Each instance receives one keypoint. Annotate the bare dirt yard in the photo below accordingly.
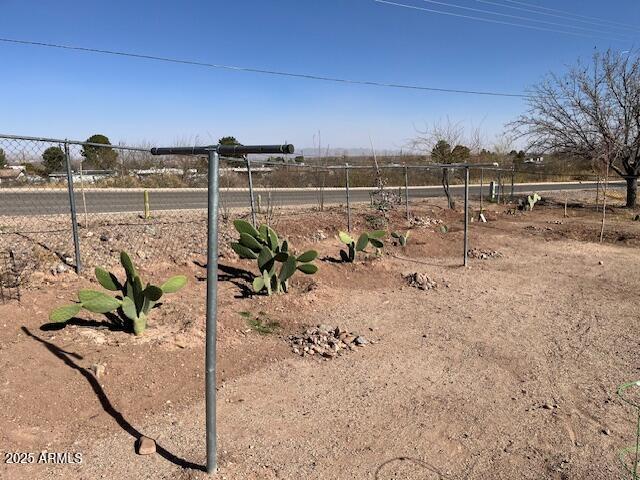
(505, 369)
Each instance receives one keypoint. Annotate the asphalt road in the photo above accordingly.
(21, 202)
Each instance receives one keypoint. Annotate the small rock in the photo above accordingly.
(98, 369)
(146, 446)
(348, 339)
(105, 238)
(606, 431)
(600, 262)
(360, 341)
(325, 341)
(420, 280)
(61, 268)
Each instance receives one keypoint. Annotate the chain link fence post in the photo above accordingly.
(251, 199)
(406, 190)
(481, 188)
(72, 208)
(466, 215)
(513, 179)
(346, 174)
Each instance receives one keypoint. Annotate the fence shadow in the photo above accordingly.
(66, 357)
(239, 277)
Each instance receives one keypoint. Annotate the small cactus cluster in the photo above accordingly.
(400, 238)
(134, 304)
(533, 199)
(364, 240)
(262, 244)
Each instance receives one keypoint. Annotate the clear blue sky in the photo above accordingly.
(45, 92)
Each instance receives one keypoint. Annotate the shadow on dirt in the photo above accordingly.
(329, 259)
(66, 357)
(115, 323)
(81, 322)
(394, 463)
(239, 277)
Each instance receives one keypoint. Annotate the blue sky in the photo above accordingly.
(56, 93)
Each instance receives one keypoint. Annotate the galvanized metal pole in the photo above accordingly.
(406, 190)
(481, 189)
(346, 171)
(212, 310)
(72, 207)
(513, 176)
(466, 214)
(253, 205)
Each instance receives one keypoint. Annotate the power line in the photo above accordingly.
(517, 17)
(596, 19)
(263, 71)
(482, 19)
(569, 17)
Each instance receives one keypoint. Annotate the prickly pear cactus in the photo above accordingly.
(264, 246)
(278, 282)
(401, 239)
(532, 200)
(253, 240)
(365, 239)
(137, 301)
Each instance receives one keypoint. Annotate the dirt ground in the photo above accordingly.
(508, 369)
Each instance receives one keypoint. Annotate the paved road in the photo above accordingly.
(19, 202)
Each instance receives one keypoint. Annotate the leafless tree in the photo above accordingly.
(592, 112)
(440, 140)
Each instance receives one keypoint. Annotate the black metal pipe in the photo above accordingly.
(247, 149)
(225, 150)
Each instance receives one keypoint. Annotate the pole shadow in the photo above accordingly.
(420, 463)
(66, 357)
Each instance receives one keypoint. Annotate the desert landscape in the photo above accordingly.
(507, 368)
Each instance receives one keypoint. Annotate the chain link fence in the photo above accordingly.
(66, 204)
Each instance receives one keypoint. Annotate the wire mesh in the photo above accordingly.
(155, 206)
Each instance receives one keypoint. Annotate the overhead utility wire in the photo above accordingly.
(519, 17)
(620, 24)
(571, 18)
(263, 71)
(483, 19)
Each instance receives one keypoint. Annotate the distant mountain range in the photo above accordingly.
(349, 152)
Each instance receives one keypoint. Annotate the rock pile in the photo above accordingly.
(424, 221)
(325, 341)
(420, 280)
(483, 254)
